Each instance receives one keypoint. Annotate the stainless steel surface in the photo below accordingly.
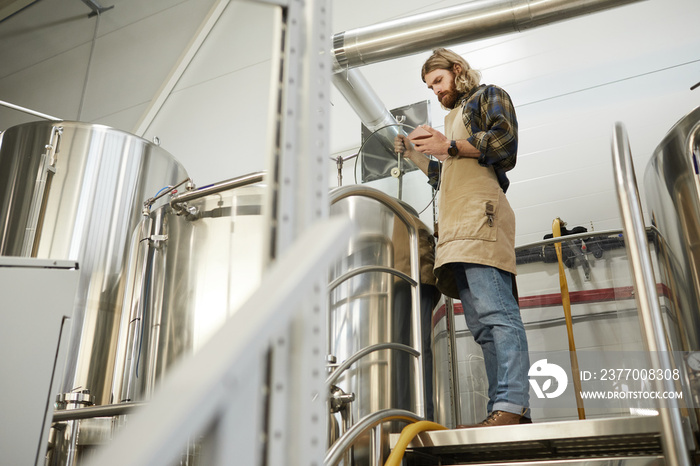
(177, 201)
(95, 411)
(339, 161)
(672, 192)
(64, 449)
(577, 439)
(222, 387)
(374, 299)
(362, 98)
(187, 275)
(453, 25)
(362, 306)
(169, 190)
(336, 452)
(364, 352)
(650, 316)
(378, 160)
(453, 415)
(588, 234)
(371, 268)
(91, 208)
(42, 186)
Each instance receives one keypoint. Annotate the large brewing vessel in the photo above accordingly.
(72, 190)
(672, 189)
(375, 295)
(193, 262)
(672, 192)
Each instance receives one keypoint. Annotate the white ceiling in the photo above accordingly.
(10, 7)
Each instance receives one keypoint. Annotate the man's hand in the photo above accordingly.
(435, 145)
(403, 146)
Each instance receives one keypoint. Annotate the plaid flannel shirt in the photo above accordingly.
(489, 116)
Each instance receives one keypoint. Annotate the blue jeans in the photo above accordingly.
(493, 318)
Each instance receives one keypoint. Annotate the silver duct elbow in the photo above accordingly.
(362, 98)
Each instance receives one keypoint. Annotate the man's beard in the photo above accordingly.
(449, 99)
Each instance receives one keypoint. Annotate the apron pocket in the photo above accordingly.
(470, 217)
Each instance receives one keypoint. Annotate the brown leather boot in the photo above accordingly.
(500, 418)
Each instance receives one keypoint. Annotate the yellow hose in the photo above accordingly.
(407, 434)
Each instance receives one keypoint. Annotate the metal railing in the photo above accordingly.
(340, 369)
(337, 451)
(90, 412)
(179, 202)
(651, 321)
(29, 111)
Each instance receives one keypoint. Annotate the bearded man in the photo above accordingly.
(475, 254)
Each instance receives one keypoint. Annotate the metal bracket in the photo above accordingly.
(96, 8)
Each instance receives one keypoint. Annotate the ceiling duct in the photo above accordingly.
(362, 98)
(449, 26)
(440, 28)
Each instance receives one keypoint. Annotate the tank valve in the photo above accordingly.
(339, 400)
(75, 399)
(191, 213)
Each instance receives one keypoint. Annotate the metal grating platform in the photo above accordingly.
(599, 440)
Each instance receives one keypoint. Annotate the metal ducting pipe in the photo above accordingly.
(454, 25)
(362, 98)
(439, 28)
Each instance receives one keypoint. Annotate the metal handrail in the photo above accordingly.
(370, 268)
(96, 411)
(455, 400)
(364, 352)
(237, 182)
(29, 111)
(335, 453)
(650, 317)
(561, 239)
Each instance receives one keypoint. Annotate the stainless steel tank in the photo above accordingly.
(373, 301)
(194, 261)
(672, 192)
(71, 190)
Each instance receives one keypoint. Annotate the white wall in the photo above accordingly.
(570, 82)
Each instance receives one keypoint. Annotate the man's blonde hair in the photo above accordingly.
(443, 59)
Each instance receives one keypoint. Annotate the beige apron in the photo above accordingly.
(475, 221)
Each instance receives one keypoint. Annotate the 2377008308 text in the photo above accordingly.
(614, 375)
